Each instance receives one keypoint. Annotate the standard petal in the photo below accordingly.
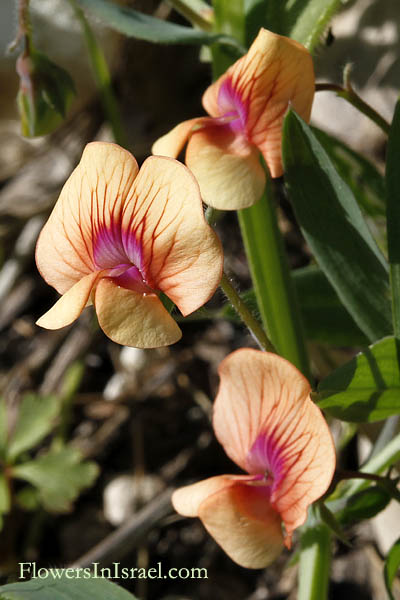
(267, 422)
(88, 208)
(180, 253)
(68, 308)
(172, 143)
(242, 521)
(132, 318)
(228, 170)
(275, 71)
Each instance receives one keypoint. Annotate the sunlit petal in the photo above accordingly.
(88, 208)
(267, 423)
(172, 143)
(132, 318)
(258, 88)
(242, 521)
(186, 500)
(70, 305)
(227, 168)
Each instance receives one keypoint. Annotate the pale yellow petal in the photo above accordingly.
(68, 308)
(242, 521)
(228, 170)
(133, 319)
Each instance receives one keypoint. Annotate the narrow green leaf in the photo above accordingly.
(391, 567)
(307, 20)
(393, 188)
(64, 584)
(365, 389)
(335, 230)
(59, 477)
(35, 420)
(364, 505)
(364, 179)
(135, 24)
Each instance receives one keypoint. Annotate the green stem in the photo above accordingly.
(196, 12)
(350, 95)
(314, 565)
(271, 278)
(102, 77)
(245, 315)
(378, 463)
(395, 287)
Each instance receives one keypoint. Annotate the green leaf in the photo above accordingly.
(365, 389)
(335, 230)
(364, 179)
(135, 24)
(60, 475)
(307, 20)
(364, 505)
(392, 564)
(5, 499)
(46, 92)
(324, 317)
(28, 498)
(35, 420)
(64, 584)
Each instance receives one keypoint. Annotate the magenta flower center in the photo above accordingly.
(264, 459)
(232, 107)
(121, 252)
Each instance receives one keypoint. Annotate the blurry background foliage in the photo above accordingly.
(129, 71)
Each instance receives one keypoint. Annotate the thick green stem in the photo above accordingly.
(350, 95)
(395, 287)
(271, 278)
(102, 77)
(245, 315)
(314, 565)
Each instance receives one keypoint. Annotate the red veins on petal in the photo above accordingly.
(250, 101)
(267, 423)
(120, 237)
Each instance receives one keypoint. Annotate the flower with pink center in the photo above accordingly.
(247, 105)
(118, 237)
(268, 425)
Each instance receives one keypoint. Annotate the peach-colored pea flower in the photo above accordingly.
(118, 237)
(269, 426)
(247, 106)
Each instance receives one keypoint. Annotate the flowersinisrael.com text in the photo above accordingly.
(30, 570)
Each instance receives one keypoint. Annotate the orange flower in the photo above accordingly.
(118, 237)
(247, 106)
(269, 426)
